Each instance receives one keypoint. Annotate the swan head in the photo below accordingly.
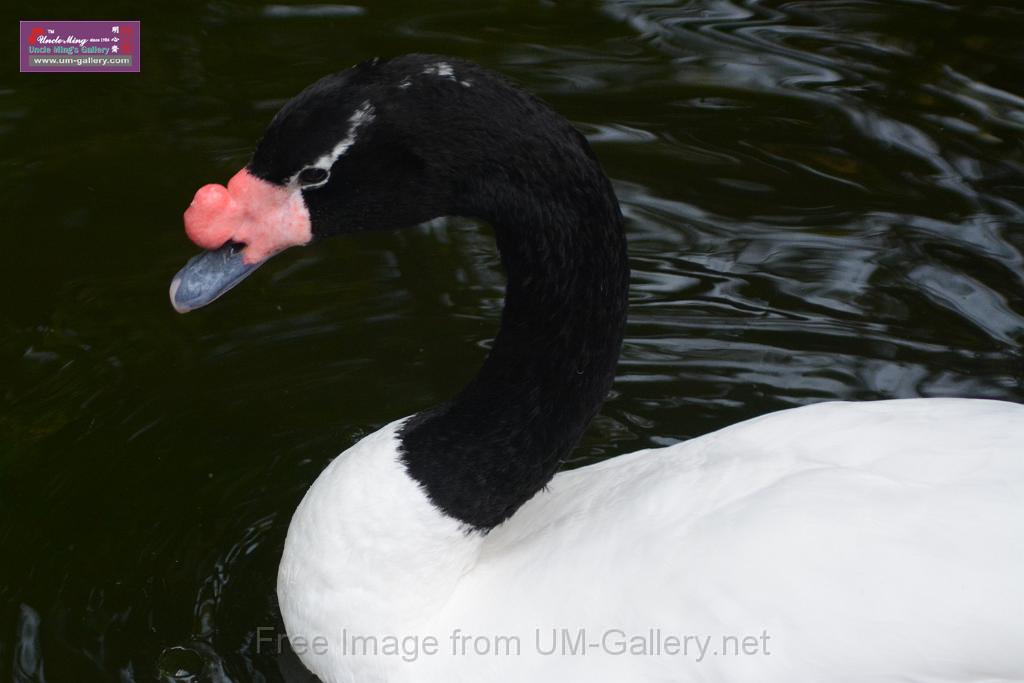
(384, 144)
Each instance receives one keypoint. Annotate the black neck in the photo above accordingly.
(484, 454)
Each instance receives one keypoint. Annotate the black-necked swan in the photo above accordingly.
(877, 541)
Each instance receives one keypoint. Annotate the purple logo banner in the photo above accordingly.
(80, 46)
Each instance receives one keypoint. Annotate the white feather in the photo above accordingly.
(867, 541)
(441, 70)
(362, 116)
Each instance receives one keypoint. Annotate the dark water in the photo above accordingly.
(825, 201)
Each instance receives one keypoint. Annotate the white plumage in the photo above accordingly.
(875, 541)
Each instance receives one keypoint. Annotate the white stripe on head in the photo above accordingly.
(443, 70)
(440, 69)
(359, 118)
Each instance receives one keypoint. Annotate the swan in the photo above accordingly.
(876, 541)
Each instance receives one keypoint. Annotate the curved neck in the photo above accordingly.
(560, 235)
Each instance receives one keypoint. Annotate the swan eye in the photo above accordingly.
(312, 176)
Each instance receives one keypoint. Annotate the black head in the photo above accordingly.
(385, 144)
(391, 143)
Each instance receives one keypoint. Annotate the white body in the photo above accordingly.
(854, 542)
